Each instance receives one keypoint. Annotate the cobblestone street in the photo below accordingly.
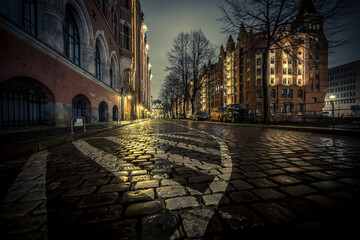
(185, 180)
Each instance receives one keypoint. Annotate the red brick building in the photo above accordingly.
(297, 72)
(65, 59)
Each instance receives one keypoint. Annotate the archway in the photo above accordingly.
(81, 107)
(25, 101)
(103, 112)
(115, 113)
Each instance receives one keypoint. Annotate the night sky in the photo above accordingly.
(167, 18)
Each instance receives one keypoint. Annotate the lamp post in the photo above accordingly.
(332, 107)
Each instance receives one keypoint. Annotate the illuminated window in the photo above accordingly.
(299, 81)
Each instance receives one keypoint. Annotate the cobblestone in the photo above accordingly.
(181, 180)
(144, 208)
(170, 191)
(181, 202)
(138, 196)
(160, 226)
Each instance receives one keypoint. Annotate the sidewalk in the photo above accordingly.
(27, 140)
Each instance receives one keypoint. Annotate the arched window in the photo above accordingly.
(112, 73)
(115, 113)
(97, 61)
(103, 112)
(71, 37)
(24, 101)
(81, 107)
(29, 18)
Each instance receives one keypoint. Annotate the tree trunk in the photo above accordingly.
(192, 106)
(265, 85)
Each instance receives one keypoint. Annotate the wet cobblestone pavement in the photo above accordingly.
(185, 180)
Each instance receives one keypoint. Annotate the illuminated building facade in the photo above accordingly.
(70, 58)
(296, 72)
(344, 90)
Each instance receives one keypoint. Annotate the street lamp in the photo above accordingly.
(332, 107)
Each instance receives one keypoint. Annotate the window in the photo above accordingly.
(126, 4)
(283, 93)
(299, 71)
(289, 71)
(272, 108)
(111, 72)
(113, 20)
(272, 93)
(289, 60)
(284, 70)
(258, 61)
(258, 72)
(272, 72)
(97, 61)
(126, 38)
(290, 93)
(284, 81)
(289, 107)
(313, 99)
(272, 81)
(300, 93)
(284, 59)
(300, 107)
(258, 81)
(272, 60)
(258, 94)
(29, 11)
(71, 38)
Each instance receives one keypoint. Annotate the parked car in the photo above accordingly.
(182, 116)
(326, 114)
(216, 114)
(200, 115)
(236, 113)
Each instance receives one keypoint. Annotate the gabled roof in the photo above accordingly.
(230, 39)
(306, 7)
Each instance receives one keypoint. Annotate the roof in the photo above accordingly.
(231, 39)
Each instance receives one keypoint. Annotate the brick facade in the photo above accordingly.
(297, 79)
(73, 58)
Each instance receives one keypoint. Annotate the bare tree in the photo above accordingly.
(201, 51)
(170, 89)
(272, 21)
(186, 58)
(179, 64)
